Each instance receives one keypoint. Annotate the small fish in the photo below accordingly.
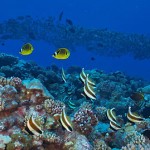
(137, 96)
(111, 115)
(91, 83)
(133, 117)
(68, 21)
(89, 91)
(32, 127)
(92, 58)
(26, 49)
(61, 53)
(114, 125)
(65, 121)
(60, 16)
(84, 77)
(71, 105)
(63, 75)
(2, 44)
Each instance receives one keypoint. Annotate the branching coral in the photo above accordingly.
(51, 137)
(136, 147)
(136, 141)
(53, 107)
(75, 141)
(101, 113)
(135, 138)
(85, 119)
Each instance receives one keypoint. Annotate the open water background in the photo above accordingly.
(127, 16)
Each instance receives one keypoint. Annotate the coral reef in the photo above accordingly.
(101, 145)
(136, 141)
(75, 141)
(85, 119)
(32, 101)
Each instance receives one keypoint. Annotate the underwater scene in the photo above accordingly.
(75, 75)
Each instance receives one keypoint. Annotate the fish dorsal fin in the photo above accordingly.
(134, 114)
(91, 83)
(83, 75)
(58, 51)
(114, 114)
(71, 103)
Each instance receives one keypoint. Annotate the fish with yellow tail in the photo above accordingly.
(111, 115)
(89, 90)
(26, 49)
(63, 75)
(61, 53)
(66, 121)
(133, 117)
(114, 126)
(32, 127)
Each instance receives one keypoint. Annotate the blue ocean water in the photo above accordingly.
(51, 108)
(118, 16)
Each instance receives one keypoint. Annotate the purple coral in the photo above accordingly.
(53, 107)
(85, 119)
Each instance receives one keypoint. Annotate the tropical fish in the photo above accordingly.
(32, 127)
(137, 96)
(68, 21)
(63, 75)
(56, 117)
(60, 16)
(65, 121)
(71, 105)
(114, 125)
(92, 58)
(89, 91)
(133, 117)
(111, 115)
(26, 49)
(91, 83)
(61, 53)
(84, 76)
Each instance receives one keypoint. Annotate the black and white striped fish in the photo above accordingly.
(111, 115)
(134, 118)
(65, 121)
(89, 90)
(114, 126)
(32, 127)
